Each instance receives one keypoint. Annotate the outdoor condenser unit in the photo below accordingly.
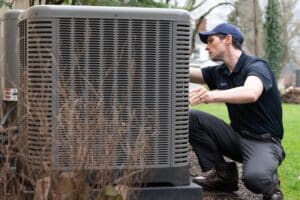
(99, 81)
(8, 66)
(8, 92)
(8, 81)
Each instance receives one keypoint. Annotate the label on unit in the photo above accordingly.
(10, 94)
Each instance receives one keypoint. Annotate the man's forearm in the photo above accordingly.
(248, 93)
(238, 95)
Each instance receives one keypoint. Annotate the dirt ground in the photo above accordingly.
(242, 194)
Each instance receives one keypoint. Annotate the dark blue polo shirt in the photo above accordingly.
(260, 117)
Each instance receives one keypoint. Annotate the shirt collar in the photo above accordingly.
(238, 66)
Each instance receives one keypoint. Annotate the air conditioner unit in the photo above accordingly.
(8, 74)
(8, 94)
(8, 62)
(100, 82)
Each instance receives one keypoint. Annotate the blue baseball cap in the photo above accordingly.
(225, 28)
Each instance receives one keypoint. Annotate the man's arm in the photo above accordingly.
(196, 76)
(248, 93)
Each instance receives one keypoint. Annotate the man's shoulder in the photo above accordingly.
(216, 67)
(253, 63)
(259, 67)
(252, 60)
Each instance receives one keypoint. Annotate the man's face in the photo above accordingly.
(216, 47)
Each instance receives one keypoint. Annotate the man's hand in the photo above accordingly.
(200, 95)
(248, 93)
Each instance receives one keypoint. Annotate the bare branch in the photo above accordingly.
(200, 20)
(218, 5)
(199, 5)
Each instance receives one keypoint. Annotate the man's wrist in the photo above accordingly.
(214, 96)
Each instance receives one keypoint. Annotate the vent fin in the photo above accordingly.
(181, 94)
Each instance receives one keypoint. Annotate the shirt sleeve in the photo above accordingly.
(263, 72)
(208, 77)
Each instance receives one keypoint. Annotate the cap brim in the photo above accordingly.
(204, 36)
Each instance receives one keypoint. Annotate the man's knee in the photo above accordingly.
(200, 123)
(194, 125)
(197, 117)
(193, 115)
(193, 122)
(257, 181)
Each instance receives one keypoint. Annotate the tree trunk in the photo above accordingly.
(255, 28)
(31, 3)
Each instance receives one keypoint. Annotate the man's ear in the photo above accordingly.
(228, 39)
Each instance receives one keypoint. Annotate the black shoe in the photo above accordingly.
(223, 180)
(275, 194)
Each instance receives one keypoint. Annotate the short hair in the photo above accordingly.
(236, 44)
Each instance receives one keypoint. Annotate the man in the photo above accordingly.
(248, 88)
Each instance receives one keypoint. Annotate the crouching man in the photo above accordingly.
(248, 88)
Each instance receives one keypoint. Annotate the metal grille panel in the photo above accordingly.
(118, 72)
(36, 90)
(104, 92)
(181, 94)
(23, 61)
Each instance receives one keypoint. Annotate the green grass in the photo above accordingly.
(290, 168)
(289, 171)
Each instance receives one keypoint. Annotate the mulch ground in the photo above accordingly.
(291, 95)
(242, 194)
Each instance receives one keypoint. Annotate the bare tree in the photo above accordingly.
(291, 29)
(290, 35)
(255, 27)
(249, 20)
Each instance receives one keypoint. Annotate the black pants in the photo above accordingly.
(211, 139)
